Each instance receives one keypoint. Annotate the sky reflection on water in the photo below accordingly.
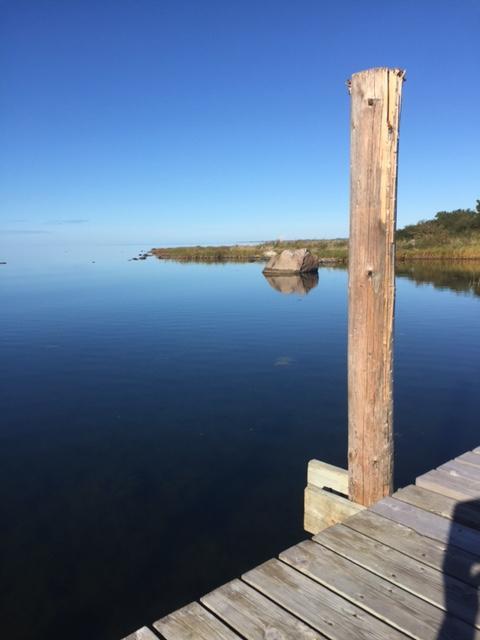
(158, 418)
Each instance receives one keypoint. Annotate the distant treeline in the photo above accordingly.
(450, 234)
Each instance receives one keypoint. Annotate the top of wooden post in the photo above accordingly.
(401, 73)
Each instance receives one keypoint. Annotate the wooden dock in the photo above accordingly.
(406, 567)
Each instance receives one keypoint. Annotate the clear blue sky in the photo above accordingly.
(179, 121)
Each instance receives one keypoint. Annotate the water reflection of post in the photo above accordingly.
(299, 284)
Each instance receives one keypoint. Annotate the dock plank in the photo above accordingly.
(325, 611)
(429, 551)
(193, 622)
(429, 524)
(254, 616)
(419, 579)
(457, 469)
(469, 458)
(449, 485)
(462, 512)
(142, 634)
(404, 611)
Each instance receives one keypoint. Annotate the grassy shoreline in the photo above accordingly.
(450, 235)
(327, 251)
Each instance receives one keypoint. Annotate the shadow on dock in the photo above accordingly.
(464, 566)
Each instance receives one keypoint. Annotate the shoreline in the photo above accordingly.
(333, 252)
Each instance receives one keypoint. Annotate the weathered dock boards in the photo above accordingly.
(407, 567)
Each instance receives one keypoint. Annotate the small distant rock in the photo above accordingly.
(3, 263)
(142, 256)
(297, 261)
(269, 254)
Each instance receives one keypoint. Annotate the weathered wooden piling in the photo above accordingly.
(375, 112)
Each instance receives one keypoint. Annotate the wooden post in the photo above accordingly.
(375, 112)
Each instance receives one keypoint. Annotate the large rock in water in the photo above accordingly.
(297, 261)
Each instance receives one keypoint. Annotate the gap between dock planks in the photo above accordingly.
(389, 572)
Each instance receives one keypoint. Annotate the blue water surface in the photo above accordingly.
(157, 419)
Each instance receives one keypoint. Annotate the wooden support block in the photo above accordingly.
(327, 476)
(324, 509)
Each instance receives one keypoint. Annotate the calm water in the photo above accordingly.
(157, 420)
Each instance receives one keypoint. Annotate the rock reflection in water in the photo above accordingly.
(300, 283)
